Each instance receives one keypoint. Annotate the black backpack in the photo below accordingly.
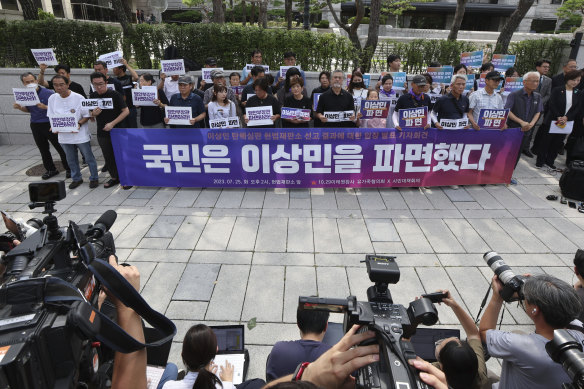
(572, 181)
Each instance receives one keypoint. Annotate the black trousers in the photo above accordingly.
(105, 142)
(42, 135)
(549, 146)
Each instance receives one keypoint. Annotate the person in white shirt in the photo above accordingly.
(169, 85)
(66, 102)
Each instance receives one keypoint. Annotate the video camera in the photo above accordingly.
(512, 283)
(567, 351)
(391, 322)
(49, 315)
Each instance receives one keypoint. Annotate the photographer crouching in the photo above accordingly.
(551, 304)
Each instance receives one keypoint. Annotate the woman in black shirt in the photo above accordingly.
(152, 117)
(325, 84)
(297, 100)
(262, 99)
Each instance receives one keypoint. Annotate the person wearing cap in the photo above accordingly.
(202, 85)
(485, 98)
(256, 59)
(186, 98)
(218, 78)
(415, 98)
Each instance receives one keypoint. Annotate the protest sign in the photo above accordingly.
(400, 80)
(237, 89)
(492, 119)
(179, 115)
(502, 62)
(314, 157)
(315, 98)
(433, 97)
(338, 116)
(45, 56)
(259, 116)
(481, 82)
(413, 117)
(512, 84)
(206, 74)
(26, 97)
(113, 59)
(145, 96)
(366, 79)
(173, 67)
(441, 75)
(374, 108)
(472, 59)
(106, 103)
(469, 82)
(249, 66)
(64, 123)
(284, 69)
(567, 128)
(454, 124)
(295, 113)
(232, 122)
(249, 95)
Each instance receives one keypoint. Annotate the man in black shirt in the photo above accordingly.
(106, 120)
(454, 105)
(101, 67)
(256, 72)
(336, 99)
(127, 81)
(263, 99)
(63, 70)
(415, 98)
(558, 79)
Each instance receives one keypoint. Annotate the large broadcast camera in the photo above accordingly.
(567, 351)
(391, 322)
(49, 316)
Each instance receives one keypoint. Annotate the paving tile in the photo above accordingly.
(486, 213)
(354, 236)
(459, 194)
(436, 214)
(435, 279)
(568, 229)
(483, 197)
(326, 236)
(185, 197)
(388, 248)
(339, 259)
(439, 198)
(495, 236)
(381, 230)
(162, 197)
(223, 257)
(369, 198)
(161, 255)
(300, 203)
(186, 310)
(229, 293)
(145, 269)
(388, 214)
(506, 197)
(165, 227)
(520, 234)
(207, 198)
(230, 198)
(244, 233)
(154, 243)
(259, 304)
(188, 234)
(300, 281)
(467, 236)
(415, 198)
(143, 193)
(161, 285)
(197, 282)
(286, 213)
(276, 199)
(412, 236)
(272, 234)
(332, 282)
(300, 236)
(216, 234)
(551, 237)
(346, 198)
(392, 197)
(439, 236)
(135, 230)
(247, 212)
(323, 198)
(283, 259)
(337, 214)
(253, 198)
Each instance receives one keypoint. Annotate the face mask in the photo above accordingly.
(33, 85)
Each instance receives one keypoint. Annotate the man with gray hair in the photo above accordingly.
(336, 100)
(525, 108)
(218, 78)
(550, 304)
(452, 106)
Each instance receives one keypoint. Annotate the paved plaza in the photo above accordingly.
(224, 256)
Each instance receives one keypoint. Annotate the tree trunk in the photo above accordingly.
(457, 22)
(127, 28)
(243, 12)
(29, 10)
(263, 17)
(352, 29)
(372, 36)
(509, 28)
(253, 11)
(288, 12)
(218, 13)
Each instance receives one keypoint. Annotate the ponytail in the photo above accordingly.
(206, 380)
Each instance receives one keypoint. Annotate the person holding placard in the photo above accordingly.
(415, 98)
(218, 78)
(107, 119)
(263, 99)
(256, 73)
(325, 84)
(289, 60)
(65, 103)
(220, 107)
(394, 64)
(336, 102)
(283, 93)
(202, 85)
(357, 87)
(564, 115)
(101, 67)
(41, 127)
(449, 109)
(372, 94)
(152, 117)
(186, 98)
(127, 81)
(63, 70)
(256, 59)
(169, 85)
(485, 98)
(299, 101)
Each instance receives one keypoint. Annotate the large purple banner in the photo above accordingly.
(317, 157)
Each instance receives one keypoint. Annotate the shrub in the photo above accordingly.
(529, 51)
(188, 16)
(322, 24)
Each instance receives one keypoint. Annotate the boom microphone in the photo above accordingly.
(103, 224)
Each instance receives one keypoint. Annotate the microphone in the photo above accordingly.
(103, 224)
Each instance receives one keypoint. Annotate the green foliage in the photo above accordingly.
(191, 15)
(569, 7)
(231, 44)
(417, 54)
(192, 3)
(76, 44)
(324, 23)
(573, 21)
(45, 15)
(529, 51)
(364, 20)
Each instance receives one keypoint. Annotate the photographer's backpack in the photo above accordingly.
(572, 181)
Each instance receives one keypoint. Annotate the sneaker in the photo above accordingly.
(104, 169)
(111, 183)
(553, 167)
(68, 174)
(538, 165)
(527, 153)
(93, 184)
(127, 187)
(75, 184)
(513, 181)
(49, 173)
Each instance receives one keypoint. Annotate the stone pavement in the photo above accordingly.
(222, 256)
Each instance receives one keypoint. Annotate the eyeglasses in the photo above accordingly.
(100, 84)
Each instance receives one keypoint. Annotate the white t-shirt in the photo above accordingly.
(189, 381)
(217, 111)
(170, 87)
(66, 106)
(569, 95)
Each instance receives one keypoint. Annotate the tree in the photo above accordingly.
(263, 15)
(509, 28)
(123, 13)
(457, 22)
(218, 12)
(29, 10)
(288, 13)
(569, 7)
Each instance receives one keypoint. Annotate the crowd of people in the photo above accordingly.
(541, 106)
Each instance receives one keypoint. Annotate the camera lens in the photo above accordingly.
(499, 267)
(565, 350)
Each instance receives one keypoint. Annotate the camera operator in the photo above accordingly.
(551, 304)
(129, 369)
(463, 362)
(579, 285)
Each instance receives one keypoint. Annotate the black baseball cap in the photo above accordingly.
(494, 76)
